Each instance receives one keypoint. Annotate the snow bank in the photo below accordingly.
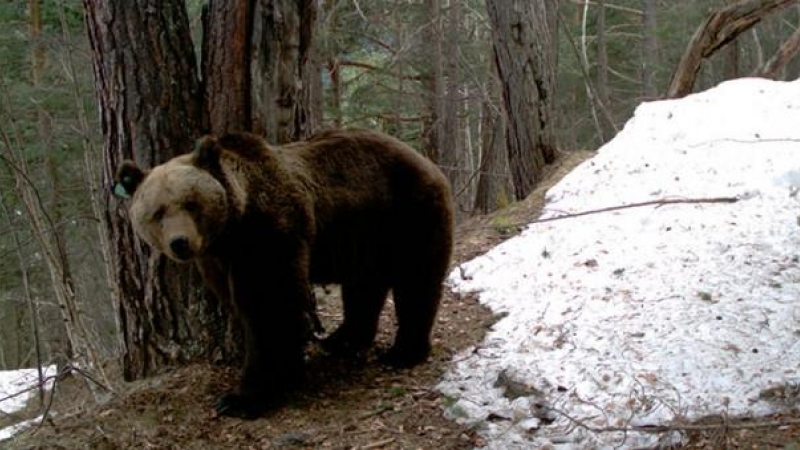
(637, 316)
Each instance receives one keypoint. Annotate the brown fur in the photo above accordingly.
(352, 207)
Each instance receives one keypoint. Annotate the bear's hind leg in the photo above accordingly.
(362, 308)
(416, 303)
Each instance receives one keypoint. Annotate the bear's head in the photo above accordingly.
(180, 207)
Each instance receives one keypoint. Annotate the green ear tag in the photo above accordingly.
(120, 191)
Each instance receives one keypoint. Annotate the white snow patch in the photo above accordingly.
(9, 432)
(15, 392)
(637, 316)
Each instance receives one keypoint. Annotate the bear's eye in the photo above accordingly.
(159, 214)
(191, 206)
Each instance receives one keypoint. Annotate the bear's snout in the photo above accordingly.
(180, 247)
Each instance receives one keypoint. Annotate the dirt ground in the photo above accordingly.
(346, 404)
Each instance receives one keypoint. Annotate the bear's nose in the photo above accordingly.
(180, 247)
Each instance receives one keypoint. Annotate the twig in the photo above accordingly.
(375, 412)
(379, 444)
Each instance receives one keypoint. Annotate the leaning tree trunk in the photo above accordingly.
(148, 92)
(525, 50)
(721, 27)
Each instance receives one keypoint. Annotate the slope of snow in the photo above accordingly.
(641, 315)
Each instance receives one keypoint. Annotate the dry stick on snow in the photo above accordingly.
(657, 429)
(663, 201)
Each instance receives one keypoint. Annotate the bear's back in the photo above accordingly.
(370, 191)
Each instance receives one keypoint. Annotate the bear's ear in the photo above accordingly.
(127, 179)
(207, 152)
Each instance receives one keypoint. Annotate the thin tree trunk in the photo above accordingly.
(452, 148)
(650, 60)
(433, 83)
(336, 91)
(32, 307)
(55, 189)
(731, 66)
(602, 67)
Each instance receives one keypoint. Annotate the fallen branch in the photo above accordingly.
(661, 202)
(658, 429)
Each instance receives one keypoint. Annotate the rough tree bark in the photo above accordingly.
(153, 106)
(491, 191)
(285, 72)
(150, 105)
(525, 50)
(721, 27)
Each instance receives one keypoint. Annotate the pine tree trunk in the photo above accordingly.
(285, 71)
(257, 65)
(525, 49)
(150, 104)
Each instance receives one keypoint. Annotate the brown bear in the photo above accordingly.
(349, 207)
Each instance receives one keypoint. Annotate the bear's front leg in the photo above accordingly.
(271, 300)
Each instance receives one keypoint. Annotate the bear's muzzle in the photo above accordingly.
(180, 248)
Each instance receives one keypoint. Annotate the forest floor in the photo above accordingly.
(346, 404)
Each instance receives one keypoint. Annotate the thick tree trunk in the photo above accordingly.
(284, 70)
(257, 66)
(721, 27)
(226, 58)
(525, 47)
(150, 103)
